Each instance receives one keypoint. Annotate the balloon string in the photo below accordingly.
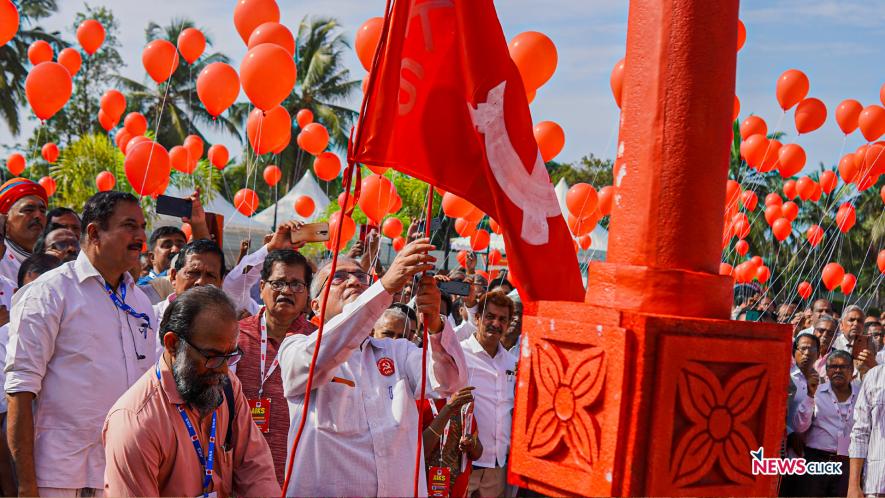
(424, 341)
(156, 137)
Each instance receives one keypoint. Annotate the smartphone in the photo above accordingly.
(312, 232)
(173, 206)
(860, 343)
(753, 315)
(454, 288)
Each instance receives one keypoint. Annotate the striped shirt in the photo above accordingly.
(868, 433)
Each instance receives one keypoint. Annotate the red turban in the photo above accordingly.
(15, 189)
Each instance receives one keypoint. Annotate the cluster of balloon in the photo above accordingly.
(585, 208)
(304, 206)
(111, 108)
(105, 181)
(747, 271)
(218, 156)
(535, 57)
(246, 201)
(466, 215)
(186, 157)
(272, 175)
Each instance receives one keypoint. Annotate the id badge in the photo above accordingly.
(260, 409)
(440, 482)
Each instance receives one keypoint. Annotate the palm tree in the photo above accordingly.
(14, 56)
(175, 100)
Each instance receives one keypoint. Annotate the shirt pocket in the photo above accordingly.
(339, 409)
(222, 479)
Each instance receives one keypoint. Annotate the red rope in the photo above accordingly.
(418, 468)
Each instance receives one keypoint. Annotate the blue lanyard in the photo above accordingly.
(120, 302)
(206, 463)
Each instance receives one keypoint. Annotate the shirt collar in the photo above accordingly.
(474, 346)
(167, 382)
(83, 269)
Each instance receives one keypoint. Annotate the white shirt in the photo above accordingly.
(465, 330)
(831, 425)
(494, 380)
(800, 407)
(7, 289)
(76, 351)
(868, 432)
(239, 282)
(9, 265)
(360, 440)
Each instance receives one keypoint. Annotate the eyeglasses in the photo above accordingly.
(807, 349)
(297, 286)
(64, 245)
(341, 276)
(839, 367)
(197, 275)
(216, 361)
(878, 334)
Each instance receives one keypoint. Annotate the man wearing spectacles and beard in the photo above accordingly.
(185, 428)
(285, 279)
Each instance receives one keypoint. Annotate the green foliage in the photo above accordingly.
(78, 165)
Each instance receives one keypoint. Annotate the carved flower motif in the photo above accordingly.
(718, 417)
(562, 401)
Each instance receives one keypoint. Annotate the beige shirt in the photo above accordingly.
(149, 451)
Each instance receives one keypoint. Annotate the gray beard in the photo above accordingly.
(193, 387)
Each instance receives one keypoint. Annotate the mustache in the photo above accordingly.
(284, 299)
(35, 223)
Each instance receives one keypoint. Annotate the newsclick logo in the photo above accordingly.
(791, 466)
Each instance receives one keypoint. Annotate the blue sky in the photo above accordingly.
(839, 44)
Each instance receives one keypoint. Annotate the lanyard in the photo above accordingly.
(206, 463)
(120, 302)
(262, 378)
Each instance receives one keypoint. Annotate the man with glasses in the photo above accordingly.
(825, 329)
(803, 385)
(873, 328)
(285, 278)
(59, 242)
(361, 429)
(185, 428)
(852, 339)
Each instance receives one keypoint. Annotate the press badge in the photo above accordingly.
(260, 409)
(439, 485)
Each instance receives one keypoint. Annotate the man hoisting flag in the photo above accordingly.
(446, 104)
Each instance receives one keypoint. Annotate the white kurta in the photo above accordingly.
(360, 440)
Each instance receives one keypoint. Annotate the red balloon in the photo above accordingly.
(122, 138)
(105, 181)
(179, 158)
(272, 175)
(736, 109)
(605, 197)
(40, 51)
(773, 198)
(880, 261)
(218, 86)
(741, 247)
(494, 258)
(849, 281)
(616, 80)
(581, 200)
(275, 33)
(535, 57)
(781, 228)
(375, 198)
(790, 210)
(15, 163)
(848, 169)
(810, 115)
(753, 125)
(763, 273)
(9, 20)
(580, 226)
(268, 75)
(392, 228)
(847, 115)
(874, 159)
(70, 59)
(456, 207)
(194, 144)
(48, 88)
(754, 149)
(160, 59)
(48, 185)
(348, 229)
(725, 269)
(550, 139)
(749, 200)
(50, 152)
(268, 130)
(872, 122)
(790, 189)
(218, 156)
(398, 243)
(304, 117)
(828, 181)
(304, 206)
(742, 35)
(846, 217)
(349, 203)
(327, 166)
(741, 227)
(113, 103)
(818, 192)
(314, 138)
(804, 187)
(815, 235)
(246, 201)
(792, 159)
(366, 41)
(479, 241)
(464, 228)
(90, 34)
(792, 86)
(804, 290)
(191, 44)
(135, 123)
(249, 14)
(832, 275)
(147, 167)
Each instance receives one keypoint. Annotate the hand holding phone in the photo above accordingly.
(173, 206)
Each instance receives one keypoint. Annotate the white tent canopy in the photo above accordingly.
(286, 205)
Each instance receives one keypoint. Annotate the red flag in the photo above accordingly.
(446, 104)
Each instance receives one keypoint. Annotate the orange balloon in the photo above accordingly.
(754, 149)
(580, 226)
(494, 258)
(616, 80)
(742, 34)
(550, 139)
(456, 207)
(9, 20)
(194, 144)
(314, 138)
(70, 59)
(48, 88)
(804, 187)
(792, 159)
(160, 60)
(749, 200)
(781, 229)
(605, 197)
(90, 34)
(275, 33)
(246, 201)
(882, 94)
(773, 198)
(770, 156)
(395, 203)
(874, 159)
(828, 181)
(814, 234)
(218, 156)
(741, 247)
(272, 175)
(848, 169)
(494, 226)
(535, 56)
(375, 198)
(304, 117)
(267, 130)
(105, 181)
(304, 206)
(464, 228)
(753, 125)
(179, 158)
(832, 275)
(287, 138)
(872, 122)
(50, 152)
(135, 123)
(479, 241)
(736, 110)
(327, 166)
(218, 86)
(792, 86)
(48, 185)
(790, 210)
(392, 228)
(40, 51)
(380, 170)
(846, 217)
(15, 163)
(268, 75)
(348, 229)
(581, 200)
(804, 290)
(810, 115)
(249, 14)
(147, 167)
(849, 281)
(191, 44)
(790, 189)
(725, 269)
(398, 243)
(880, 261)
(346, 201)
(121, 138)
(113, 103)
(366, 41)
(773, 212)
(847, 114)
(135, 140)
